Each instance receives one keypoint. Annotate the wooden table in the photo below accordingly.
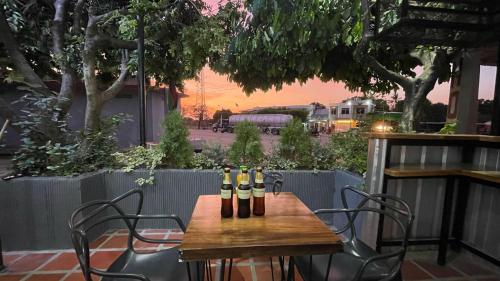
(288, 228)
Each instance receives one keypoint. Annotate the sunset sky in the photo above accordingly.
(220, 93)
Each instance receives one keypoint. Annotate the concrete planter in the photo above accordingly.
(34, 211)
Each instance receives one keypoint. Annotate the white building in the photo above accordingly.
(344, 116)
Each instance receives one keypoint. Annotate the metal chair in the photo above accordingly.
(359, 261)
(152, 266)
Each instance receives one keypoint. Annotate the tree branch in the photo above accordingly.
(77, 15)
(17, 58)
(118, 84)
(387, 74)
(106, 41)
(65, 97)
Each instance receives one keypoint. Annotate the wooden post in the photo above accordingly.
(495, 118)
(2, 266)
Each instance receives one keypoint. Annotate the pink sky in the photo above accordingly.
(220, 93)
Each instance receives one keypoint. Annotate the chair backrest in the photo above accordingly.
(274, 180)
(92, 214)
(387, 207)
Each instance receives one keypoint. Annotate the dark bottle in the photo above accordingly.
(259, 194)
(226, 194)
(244, 193)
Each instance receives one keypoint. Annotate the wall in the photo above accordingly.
(34, 211)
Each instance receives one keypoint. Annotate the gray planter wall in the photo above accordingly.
(34, 211)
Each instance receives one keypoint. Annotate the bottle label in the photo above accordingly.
(259, 192)
(226, 194)
(244, 194)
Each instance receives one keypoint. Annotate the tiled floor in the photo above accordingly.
(62, 265)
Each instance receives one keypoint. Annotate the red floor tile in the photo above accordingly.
(439, 271)
(65, 261)
(263, 272)
(155, 230)
(104, 259)
(96, 243)
(45, 277)
(413, 272)
(176, 236)
(141, 244)
(11, 277)
(119, 242)
(239, 273)
(9, 258)
(470, 268)
(29, 262)
(75, 277)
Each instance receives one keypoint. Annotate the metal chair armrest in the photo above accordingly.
(174, 217)
(119, 275)
(334, 211)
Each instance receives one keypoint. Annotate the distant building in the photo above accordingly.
(344, 116)
(158, 102)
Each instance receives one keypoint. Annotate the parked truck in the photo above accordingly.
(268, 123)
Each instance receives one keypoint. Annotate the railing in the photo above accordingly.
(432, 21)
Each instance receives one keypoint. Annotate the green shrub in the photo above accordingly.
(449, 128)
(349, 151)
(174, 144)
(275, 162)
(296, 144)
(139, 157)
(247, 148)
(212, 157)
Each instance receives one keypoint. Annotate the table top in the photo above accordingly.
(404, 171)
(288, 228)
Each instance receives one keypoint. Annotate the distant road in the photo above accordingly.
(226, 139)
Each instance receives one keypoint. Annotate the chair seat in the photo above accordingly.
(157, 266)
(344, 266)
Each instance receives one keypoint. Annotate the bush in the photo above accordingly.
(211, 157)
(349, 151)
(174, 145)
(139, 157)
(296, 144)
(246, 149)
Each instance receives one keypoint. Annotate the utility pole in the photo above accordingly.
(141, 80)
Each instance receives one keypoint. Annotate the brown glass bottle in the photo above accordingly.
(226, 194)
(244, 193)
(259, 194)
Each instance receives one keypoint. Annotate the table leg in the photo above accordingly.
(2, 266)
(272, 269)
(291, 270)
(282, 266)
(230, 269)
(445, 221)
(222, 268)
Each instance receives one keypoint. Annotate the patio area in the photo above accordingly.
(62, 264)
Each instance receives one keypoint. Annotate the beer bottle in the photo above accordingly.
(244, 195)
(226, 194)
(259, 194)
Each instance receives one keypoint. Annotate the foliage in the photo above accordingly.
(42, 154)
(449, 128)
(212, 157)
(247, 148)
(349, 151)
(274, 161)
(39, 153)
(139, 157)
(296, 144)
(174, 145)
(222, 114)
